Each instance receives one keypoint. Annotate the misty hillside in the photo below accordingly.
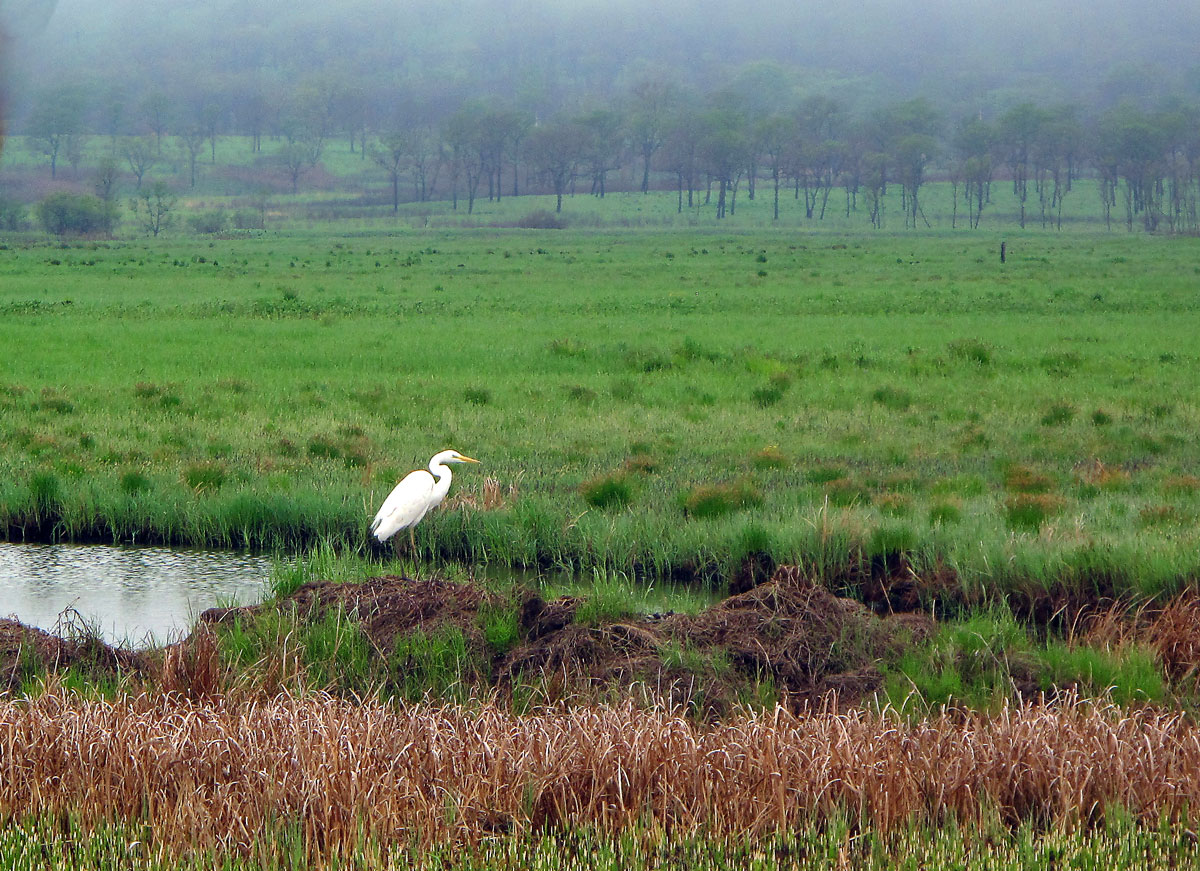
(425, 57)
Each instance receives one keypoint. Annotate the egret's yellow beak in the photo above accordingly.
(465, 459)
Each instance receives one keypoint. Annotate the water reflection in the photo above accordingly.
(132, 594)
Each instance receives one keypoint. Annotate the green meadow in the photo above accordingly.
(659, 402)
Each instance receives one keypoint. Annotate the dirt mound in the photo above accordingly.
(787, 637)
(796, 634)
(806, 639)
(27, 652)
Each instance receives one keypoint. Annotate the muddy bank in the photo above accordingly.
(27, 652)
(787, 637)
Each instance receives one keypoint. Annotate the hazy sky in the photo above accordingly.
(961, 53)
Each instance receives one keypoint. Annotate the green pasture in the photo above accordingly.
(656, 403)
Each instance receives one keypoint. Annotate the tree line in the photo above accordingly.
(708, 148)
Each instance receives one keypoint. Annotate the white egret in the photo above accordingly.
(414, 496)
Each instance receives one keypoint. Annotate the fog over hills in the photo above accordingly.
(546, 55)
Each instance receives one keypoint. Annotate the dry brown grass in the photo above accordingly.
(491, 496)
(223, 772)
(1172, 631)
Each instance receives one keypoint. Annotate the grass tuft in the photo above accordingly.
(607, 491)
(716, 500)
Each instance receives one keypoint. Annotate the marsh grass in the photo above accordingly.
(210, 370)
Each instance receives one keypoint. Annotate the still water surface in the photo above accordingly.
(131, 594)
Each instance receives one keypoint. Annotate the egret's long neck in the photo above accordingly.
(442, 473)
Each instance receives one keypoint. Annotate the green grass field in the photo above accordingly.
(654, 402)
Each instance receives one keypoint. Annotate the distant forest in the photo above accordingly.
(484, 98)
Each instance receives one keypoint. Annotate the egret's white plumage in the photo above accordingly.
(415, 495)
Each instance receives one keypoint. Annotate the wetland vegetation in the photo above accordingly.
(661, 404)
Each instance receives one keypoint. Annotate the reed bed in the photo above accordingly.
(223, 774)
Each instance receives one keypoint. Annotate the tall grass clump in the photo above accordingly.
(716, 500)
(434, 664)
(971, 351)
(607, 491)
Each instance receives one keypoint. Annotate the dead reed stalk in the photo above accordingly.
(221, 772)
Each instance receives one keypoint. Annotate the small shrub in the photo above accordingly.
(846, 491)
(56, 404)
(607, 491)
(1100, 417)
(610, 600)
(437, 664)
(824, 474)
(501, 625)
(205, 476)
(65, 214)
(1130, 672)
(12, 216)
(1030, 511)
(247, 219)
(542, 219)
(892, 539)
(215, 221)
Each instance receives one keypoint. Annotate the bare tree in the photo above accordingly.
(390, 155)
(156, 115)
(192, 143)
(555, 151)
(57, 117)
(153, 206)
(139, 154)
(649, 114)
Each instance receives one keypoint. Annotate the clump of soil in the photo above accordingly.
(385, 607)
(27, 652)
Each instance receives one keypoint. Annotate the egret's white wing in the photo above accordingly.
(404, 506)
